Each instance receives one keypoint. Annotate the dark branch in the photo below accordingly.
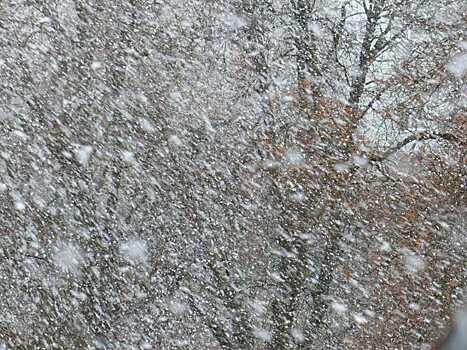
(420, 136)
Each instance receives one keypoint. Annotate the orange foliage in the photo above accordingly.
(460, 122)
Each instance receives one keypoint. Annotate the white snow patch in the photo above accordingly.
(68, 258)
(258, 306)
(175, 140)
(44, 20)
(262, 334)
(20, 205)
(177, 307)
(3, 187)
(276, 277)
(293, 157)
(459, 339)
(340, 167)
(457, 66)
(234, 22)
(67, 154)
(135, 251)
(96, 65)
(141, 98)
(270, 164)
(369, 313)
(385, 246)
(83, 154)
(208, 125)
(79, 295)
(298, 196)
(146, 125)
(360, 161)
(413, 262)
(443, 224)
(298, 335)
(21, 135)
(360, 319)
(317, 30)
(128, 157)
(339, 307)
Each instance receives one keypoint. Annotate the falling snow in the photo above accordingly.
(230, 174)
(135, 251)
(67, 258)
(83, 153)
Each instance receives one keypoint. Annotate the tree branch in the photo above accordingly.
(420, 136)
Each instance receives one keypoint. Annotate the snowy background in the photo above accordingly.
(232, 174)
